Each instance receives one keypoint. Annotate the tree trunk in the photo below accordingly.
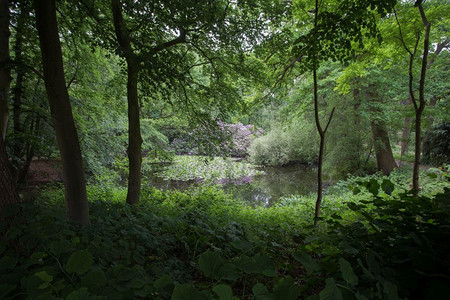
(18, 89)
(383, 152)
(419, 107)
(322, 131)
(8, 193)
(61, 112)
(134, 126)
(134, 136)
(5, 70)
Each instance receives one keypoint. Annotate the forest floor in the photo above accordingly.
(43, 171)
(407, 163)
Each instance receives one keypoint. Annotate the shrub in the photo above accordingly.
(436, 145)
(296, 143)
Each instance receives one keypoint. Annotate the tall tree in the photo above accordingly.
(418, 104)
(134, 126)
(8, 193)
(335, 27)
(164, 47)
(61, 112)
(5, 69)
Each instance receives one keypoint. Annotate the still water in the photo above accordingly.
(262, 190)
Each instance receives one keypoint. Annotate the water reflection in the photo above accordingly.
(263, 190)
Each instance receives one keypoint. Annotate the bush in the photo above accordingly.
(436, 145)
(296, 143)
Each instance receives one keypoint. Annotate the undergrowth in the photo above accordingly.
(375, 241)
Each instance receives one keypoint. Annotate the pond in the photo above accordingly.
(261, 190)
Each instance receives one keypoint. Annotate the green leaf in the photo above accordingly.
(390, 290)
(80, 294)
(261, 292)
(210, 263)
(7, 263)
(228, 271)
(347, 272)
(223, 291)
(79, 262)
(331, 291)
(163, 282)
(5, 289)
(286, 289)
(94, 278)
(44, 276)
(307, 261)
(387, 186)
(432, 175)
(186, 292)
(373, 187)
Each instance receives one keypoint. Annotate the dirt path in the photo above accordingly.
(406, 163)
(44, 171)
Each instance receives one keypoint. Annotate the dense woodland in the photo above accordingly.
(112, 96)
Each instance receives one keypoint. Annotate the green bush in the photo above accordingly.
(436, 145)
(280, 146)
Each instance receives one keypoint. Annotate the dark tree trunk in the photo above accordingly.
(5, 70)
(383, 152)
(322, 131)
(61, 112)
(134, 126)
(134, 136)
(419, 107)
(18, 89)
(8, 193)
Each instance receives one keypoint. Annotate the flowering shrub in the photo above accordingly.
(225, 139)
(242, 137)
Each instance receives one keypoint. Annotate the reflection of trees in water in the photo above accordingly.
(263, 190)
(266, 190)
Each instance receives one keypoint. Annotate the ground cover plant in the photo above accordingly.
(203, 168)
(375, 241)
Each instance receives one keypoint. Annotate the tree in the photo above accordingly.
(335, 27)
(61, 112)
(5, 69)
(419, 104)
(181, 56)
(8, 193)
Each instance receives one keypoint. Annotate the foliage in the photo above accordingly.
(223, 139)
(207, 169)
(280, 146)
(436, 145)
(205, 244)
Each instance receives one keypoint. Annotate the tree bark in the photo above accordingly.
(322, 131)
(419, 107)
(383, 152)
(134, 136)
(61, 112)
(134, 126)
(5, 70)
(8, 193)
